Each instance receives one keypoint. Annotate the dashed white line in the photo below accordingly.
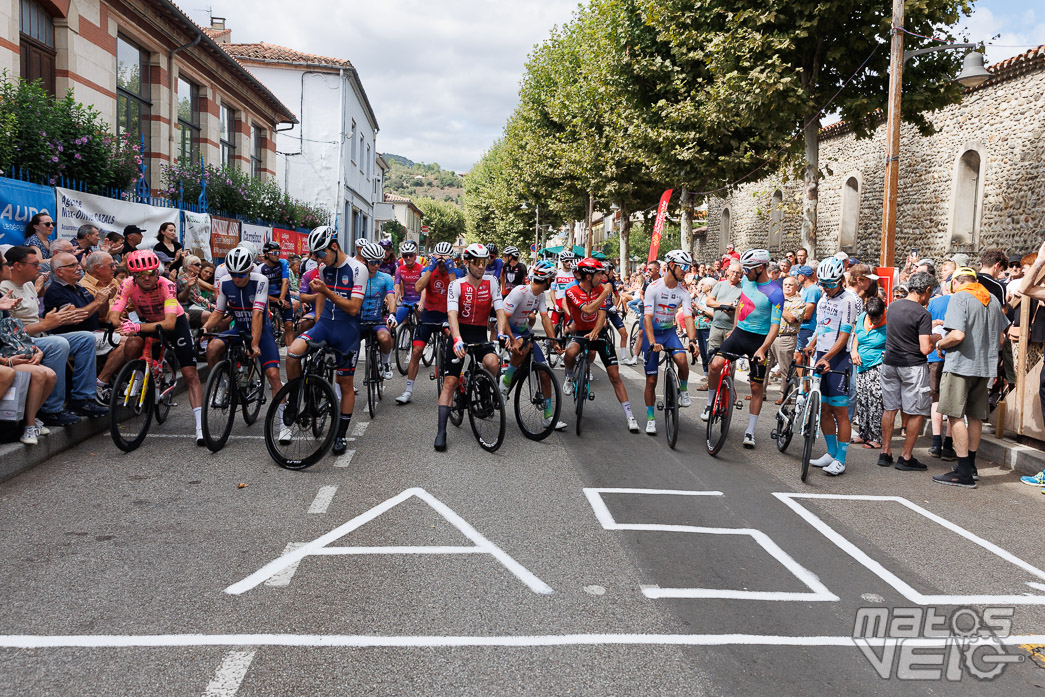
(230, 674)
(323, 499)
(346, 459)
(282, 578)
(360, 428)
(189, 435)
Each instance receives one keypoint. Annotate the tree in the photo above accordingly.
(445, 221)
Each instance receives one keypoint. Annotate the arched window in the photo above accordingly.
(724, 234)
(850, 219)
(968, 193)
(776, 218)
(36, 45)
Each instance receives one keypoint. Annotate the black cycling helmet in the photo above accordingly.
(271, 247)
(492, 248)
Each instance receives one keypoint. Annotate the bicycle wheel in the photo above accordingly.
(253, 395)
(458, 403)
(485, 409)
(785, 417)
(721, 415)
(372, 377)
(671, 406)
(219, 406)
(537, 394)
(404, 345)
(633, 336)
(431, 350)
(168, 378)
(809, 428)
(440, 351)
(580, 390)
(550, 346)
(310, 399)
(130, 406)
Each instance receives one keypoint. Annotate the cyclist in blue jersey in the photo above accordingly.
(379, 300)
(277, 271)
(755, 326)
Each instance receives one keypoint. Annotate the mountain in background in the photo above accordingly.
(417, 179)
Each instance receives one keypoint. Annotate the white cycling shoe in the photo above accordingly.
(559, 425)
(706, 414)
(834, 469)
(651, 428)
(285, 434)
(633, 425)
(405, 398)
(567, 386)
(684, 399)
(823, 461)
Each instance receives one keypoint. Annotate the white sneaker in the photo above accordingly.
(405, 398)
(29, 435)
(504, 388)
(199, 437)
(651, 428)
(633, 425)
(285, 434)
(631, 361)
(822, 461)
(749, 440)
(706, 414)
(386, 372)
(567, 386)
(41, 430)
(684, 400)
(559, 425)
(834, 469)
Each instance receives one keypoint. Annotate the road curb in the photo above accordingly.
(1024, 459)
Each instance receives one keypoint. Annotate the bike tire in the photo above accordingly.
(580, 390)
(633, 336)
(550, 346)
(785, 418)
(254, 395)
(529, 400)
(721, 415)
(431, 350)
(812, 409)
(313, 394)
(671, 407)
(440, 352)
(457, 405)
(372, 377)
(404, 345)
(219, 406)
(129, 420)
(485, 405)
(168, 378)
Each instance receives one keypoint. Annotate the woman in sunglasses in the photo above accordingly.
(38, 233)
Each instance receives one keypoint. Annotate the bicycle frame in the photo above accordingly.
(152, 368)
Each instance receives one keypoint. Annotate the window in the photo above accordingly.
(36, 45)
(723, 238)
(132, 92)
(361, 151)
(188, 121)
(369, 168)
(776, 218)
(968, 194)
(353, 141)
(850, 221)
(257, 136)
(228, 136)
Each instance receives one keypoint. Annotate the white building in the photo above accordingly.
(330, 157)
(403, 210)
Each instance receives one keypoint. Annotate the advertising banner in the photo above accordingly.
(224, 235)
(19, 202)
(658, 227)
(110, 215)
(196, 235)
(257, 235)
(887, 279)
(290, 241)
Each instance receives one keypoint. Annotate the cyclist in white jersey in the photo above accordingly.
(564, 278)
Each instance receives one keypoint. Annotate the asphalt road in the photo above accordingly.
(604, 564)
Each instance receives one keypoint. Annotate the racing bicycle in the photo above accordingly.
(373, 378)
(144, 388)
(582, 375)
(536, 389)
(722, 405)
(801, 405)
(477, 393)
(236, 381)
(404, 338)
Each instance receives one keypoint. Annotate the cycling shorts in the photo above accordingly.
(744, 343)
(286, 313)
(535, 346)
(669, 339)
(607, 351)
(179, 340)
(368, 328)
(424, 331)
(343, 336)
(267, 345)
(834, 388)
(613, 318)
(470, 334)
(403, 311)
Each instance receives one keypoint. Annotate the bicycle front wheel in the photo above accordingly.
(809, 429)
(373, 377)
(721, 415)
(253, 396)
(404, 345)
(633, 336)
(671, 407)
(537, 401)
(219, 406)
(580, 390)
(485, 409)
(131, 406)
(431, 351)
(306, 430)
(168, 378)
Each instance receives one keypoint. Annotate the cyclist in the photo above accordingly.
(155, 299)
(307, 297)
(564, 278)
(836, 314)
(664, 298)
(388, 261)
(277, 271)
(221, 273)
(339, 289)
(612, 302)
(468, 305)
(520, 307)
(360, 243)
(494, 264)
(406, 276)
(435, 283)
(378, 300)
(755, 326)
(651, 275)
(584, 302)
(245, 296)
(513, 272)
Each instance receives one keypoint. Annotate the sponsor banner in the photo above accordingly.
(290, 241)
(224, 235)
(110, 215)
(196, 234)
(257, 235)
(888, 278)
(19, 202)
(658, 227)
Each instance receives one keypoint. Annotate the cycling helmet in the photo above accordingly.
(271, 247)
(509, 251)
(360, 243)
(443, 249)
(588, 265)
(754, 257)
(239, 260)
(372, 252)
(542, 271)
(408, 247)
(385, 243)
(492, 249)
(679, 256)
(567, 255)
(249, 246)
(321, 238)
(142, 260)
(476, 251)
(830, 270)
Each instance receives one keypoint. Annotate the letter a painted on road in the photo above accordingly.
(658, 227)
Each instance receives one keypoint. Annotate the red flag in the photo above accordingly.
(658, 227)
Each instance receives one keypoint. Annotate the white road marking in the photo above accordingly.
(230, 674)
(101, 641)
(316, 546)
(190, 435)
(819, 592)
(346, 459)
(1039, 586)
(323, 499)
(892, 579)
(360, 428)
(595, 590)
(872, 598)
(283, 577)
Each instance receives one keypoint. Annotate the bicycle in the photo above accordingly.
(311, 413)
(439, 343)
(549, 342)
(722, 404)
(534, 385)
(670, 403)
(275, 318)
(802, 402)
(582, 376)
(404, 338)
(478, 394)
(236, 380)
(634, 338)
(134, 401)
(373, 378)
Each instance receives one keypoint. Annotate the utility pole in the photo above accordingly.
(892, 137)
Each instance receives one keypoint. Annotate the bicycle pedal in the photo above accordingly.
(739, 406)
(591, 396)
(660, 406)
(773, 434)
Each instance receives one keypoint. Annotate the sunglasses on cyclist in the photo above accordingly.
(684, 268)
(409, 256)
(829, 285)
(244, 274)
(145, 274)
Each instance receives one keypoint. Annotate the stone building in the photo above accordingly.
(978, 182)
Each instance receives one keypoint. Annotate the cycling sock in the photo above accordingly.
(342, 425)
(627, 409)
(508, 373)
(937, 441)
(711, 397)
(444, 414)
(752, 419)
(843, 448)
(386, 357)
(832, 444)
(548, 409)
(683, 385)
(197, 413)
(409, 385)
(649, 413)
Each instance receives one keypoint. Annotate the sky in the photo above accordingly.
(443, 75)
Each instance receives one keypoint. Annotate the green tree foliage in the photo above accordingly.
(395, 230)
(445, 221)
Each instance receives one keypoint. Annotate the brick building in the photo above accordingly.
(149, 70)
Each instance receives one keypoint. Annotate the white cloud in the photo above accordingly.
(1007, 33)
(442, 75)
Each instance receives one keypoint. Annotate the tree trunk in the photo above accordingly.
(811, 178)
(625, 242)
(686, 224)
(590, 238)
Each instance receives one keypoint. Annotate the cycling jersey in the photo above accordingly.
(388, 266)
(518, 305)
(347, 281)
(663, 303)
(242, 302)
(835, 315)
(513, 276)
(493, 269)
(563, 280)
(474, 303)
(151, 306)
(275, 275)
(377, 289)
(575, 298)
(306, 279)
(438, 286)
(761, 306)
(407, 278)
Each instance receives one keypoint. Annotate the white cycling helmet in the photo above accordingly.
(443, 249)
(239, 260)
(321, 238)
(543, 271)
(408, 247)
(679, 256)
(830, 270)
(371, 251)
(476, 251)
(567, 255)
(249, 246)
(360, 243)
(510, 251)
(754, 257)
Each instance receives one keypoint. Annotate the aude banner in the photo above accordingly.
(19, 202)
(196, 234)
(111, 215)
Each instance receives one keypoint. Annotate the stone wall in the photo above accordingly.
(996, 132)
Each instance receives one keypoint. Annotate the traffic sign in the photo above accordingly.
(533, 248)
(424, 228)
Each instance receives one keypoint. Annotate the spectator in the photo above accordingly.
(905, 373)
(1033, 286)
(731, 254)
(801, 256)
(774, 272)
(723, 300)
(196, 306)
(120, 275)
(99, 275)
(785, 267)
(19, 355)
(810, 293)
(993, 263)
(975, 328)
(702, 320)
(38, 233)
(56, 349)
(868, 349)
(114, 240)
(206, 282)
(132, 237)
(791, 258)
(783, 348)
(942, 446)
(86, 239)
(169, 247)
